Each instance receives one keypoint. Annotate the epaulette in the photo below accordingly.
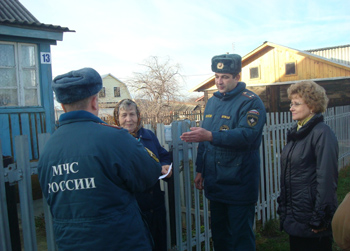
(114, 126)
(152, 154)
(249, 95)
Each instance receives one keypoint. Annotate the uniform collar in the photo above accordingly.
(227, 95)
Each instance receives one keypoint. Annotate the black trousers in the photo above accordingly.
(156, 221)
(310, 244)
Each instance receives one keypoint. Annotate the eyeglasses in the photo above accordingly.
(295, 104)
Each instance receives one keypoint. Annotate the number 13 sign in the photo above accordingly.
(45, 57)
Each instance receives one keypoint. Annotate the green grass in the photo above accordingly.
(270, 238)
(343, 183)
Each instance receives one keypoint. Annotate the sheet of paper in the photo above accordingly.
(164, 175)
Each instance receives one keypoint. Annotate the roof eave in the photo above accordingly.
(32, 31)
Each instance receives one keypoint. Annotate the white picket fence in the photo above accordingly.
(192, 217)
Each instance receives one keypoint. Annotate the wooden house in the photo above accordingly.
(270, 69)
(112, 92)
(26, 97)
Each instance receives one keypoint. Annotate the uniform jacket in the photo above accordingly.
(309, 177)
(152, 198)
(230, 163)
(89, 174)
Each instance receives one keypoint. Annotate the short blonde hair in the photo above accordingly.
(313, 94)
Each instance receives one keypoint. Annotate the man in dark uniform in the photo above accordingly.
(228, 162)
(89, 173)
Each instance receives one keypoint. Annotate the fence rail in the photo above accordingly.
(191, 226)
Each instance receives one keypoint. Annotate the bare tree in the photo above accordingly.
(154, 88)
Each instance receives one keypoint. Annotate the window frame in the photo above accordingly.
(259, 72)
(116, 92)
(295, 68)
(20, 68)
(102, 93)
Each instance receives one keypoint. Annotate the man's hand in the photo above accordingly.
(198, 181)
(165, 169)
(197, 134)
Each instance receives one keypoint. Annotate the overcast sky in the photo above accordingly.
(115, 36)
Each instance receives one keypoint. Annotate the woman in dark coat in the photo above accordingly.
(309, 171)
(151, 202)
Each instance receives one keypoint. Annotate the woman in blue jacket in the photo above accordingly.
(151, 202)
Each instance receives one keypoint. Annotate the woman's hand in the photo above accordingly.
(318, 230)
(165, 169)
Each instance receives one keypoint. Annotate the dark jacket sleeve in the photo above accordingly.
(326, 152)
(136, 169)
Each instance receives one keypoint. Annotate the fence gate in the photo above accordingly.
(20, 173)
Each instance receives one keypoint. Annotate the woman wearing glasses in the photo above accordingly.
(309, 171)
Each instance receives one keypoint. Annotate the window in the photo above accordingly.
(102, 93)
(116, 91)
(254, 72)
(290, 68)
(19, 75)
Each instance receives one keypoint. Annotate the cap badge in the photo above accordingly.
(220, 66)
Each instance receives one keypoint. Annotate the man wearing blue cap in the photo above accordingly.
(89, 173)
(228, 162)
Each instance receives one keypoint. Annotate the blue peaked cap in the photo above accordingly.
(76, 85)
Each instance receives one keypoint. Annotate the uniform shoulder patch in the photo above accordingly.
(253, 112)
(152, 154)
(252, 119)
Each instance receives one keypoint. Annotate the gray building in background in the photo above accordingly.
(340, 54)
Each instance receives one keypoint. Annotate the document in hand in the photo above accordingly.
(164, 175)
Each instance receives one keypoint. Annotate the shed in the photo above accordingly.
(26, 97)
(270, 69)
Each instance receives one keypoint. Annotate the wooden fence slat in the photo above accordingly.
(25, 193)
(50, 239)
(5, 239)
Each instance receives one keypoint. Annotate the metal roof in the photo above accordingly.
(339, 54)
(13, 13)
(329, 48)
